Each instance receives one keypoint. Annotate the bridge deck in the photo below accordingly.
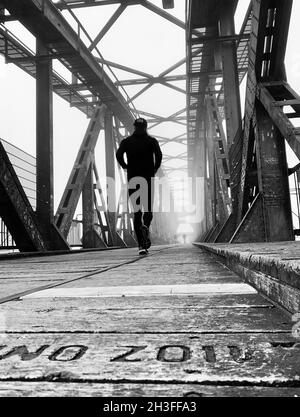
(175, 323)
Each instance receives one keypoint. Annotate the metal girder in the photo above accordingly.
(69, 200)
(154, 80)
(108, 25)
(46, 22)
(220, 152)
(123, 67)
(78, 4)
(230, 71)
(44, 142)
(252, 227)
(90, 237)
(72, 4)
(163, 14)
(203, 67)
(14, 51)
(262, 67)
(109, 234)
(258, 159)
(272, 178)
(16, 210)
(274, 97)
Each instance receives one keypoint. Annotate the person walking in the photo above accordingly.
(144, 158)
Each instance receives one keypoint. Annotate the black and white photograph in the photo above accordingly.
(149, 204)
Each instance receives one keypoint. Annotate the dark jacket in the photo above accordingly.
(143, 155)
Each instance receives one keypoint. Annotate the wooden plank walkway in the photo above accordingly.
(175, 323)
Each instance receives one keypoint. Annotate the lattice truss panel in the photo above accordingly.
(82, 94)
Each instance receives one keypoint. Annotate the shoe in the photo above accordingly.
(143, 251)
(145, 236)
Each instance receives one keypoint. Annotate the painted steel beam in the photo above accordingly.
(258, 155)
(154, 80)
(45, 21)
(25, 59)
(88, 217)
(123, 68)
(220, 38)
(44, 142)
(70, 198)
(108, 25)
(16, 210)
(78, 4)
(110, 174)
(262, 68)
(163, 14)
(268, 94)
(273, 178)
(230, 72)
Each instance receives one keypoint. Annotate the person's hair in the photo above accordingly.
(140, 124)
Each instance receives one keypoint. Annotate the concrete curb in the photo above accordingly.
(271, 274)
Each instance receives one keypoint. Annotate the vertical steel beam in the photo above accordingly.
(110, 170)
(44, 140)
(200, 168)
(88, 210)
(273, 178)
(230, 72)
(211, 169)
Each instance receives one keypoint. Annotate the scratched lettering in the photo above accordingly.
(23, 352)
(240, 355)
(210, 355)
(68, 353)
(174, 353)
(124, 356)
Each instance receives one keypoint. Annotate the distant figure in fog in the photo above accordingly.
(144, 158)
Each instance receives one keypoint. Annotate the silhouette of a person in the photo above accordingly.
(144, 158)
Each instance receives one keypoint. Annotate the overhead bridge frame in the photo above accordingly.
(91, 89)
(257, 171)
(244, 196)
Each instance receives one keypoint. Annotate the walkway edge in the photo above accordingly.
(274, 277)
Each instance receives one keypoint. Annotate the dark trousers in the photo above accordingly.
(142, 207)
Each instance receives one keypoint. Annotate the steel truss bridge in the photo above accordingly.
(245, 193)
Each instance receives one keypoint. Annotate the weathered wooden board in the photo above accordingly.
(77, 255)
(200, 302)
(48, 272)
(83, 291)
(136, 276)
(54, 317)
(126, 278)
(86, 389)
(7, 289)
(227, 359)
(19, 275)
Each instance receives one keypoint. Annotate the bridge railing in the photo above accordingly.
(295, 201)
(25, 167)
